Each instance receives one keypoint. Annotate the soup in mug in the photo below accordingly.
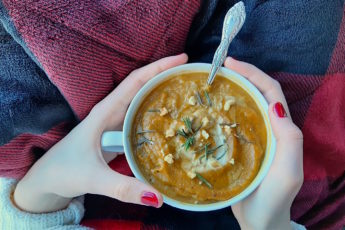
(198, 143)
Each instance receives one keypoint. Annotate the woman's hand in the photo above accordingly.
(76, 165)
(268, 207)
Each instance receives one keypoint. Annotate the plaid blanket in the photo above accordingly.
(59, 58)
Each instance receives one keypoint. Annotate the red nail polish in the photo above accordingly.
(279, 110)
(150, 199)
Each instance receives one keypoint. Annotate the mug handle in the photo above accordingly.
(112, 141)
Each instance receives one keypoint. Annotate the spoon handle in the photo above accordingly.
(233, 22)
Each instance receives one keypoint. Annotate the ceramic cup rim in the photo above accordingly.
(201, 68)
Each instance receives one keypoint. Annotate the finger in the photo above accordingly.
(125, 92)
(269, 87)
(283, 128)
(289, 152)
(126, 189)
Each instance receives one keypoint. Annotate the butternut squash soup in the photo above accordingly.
(198, 143)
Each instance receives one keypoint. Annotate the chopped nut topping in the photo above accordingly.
(227, 129)
(205, 134)
(170, 133)
(229, 103)
(214, 163)
(232, 161)
(205, 121)
(192, 100)
(191, 175)
(164, 111)
(169, 158)
(233, 125)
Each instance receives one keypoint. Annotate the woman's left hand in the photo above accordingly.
(76, 165)
(268, 207)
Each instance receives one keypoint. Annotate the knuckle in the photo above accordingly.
(137, 80)
(276, 84)
(300, 180)
(121, 191)
(92, 114)
(295, 178)
(159, 68)
(297, 181)
(95, 109)
(134, 72)
(293, 182)
(140, 81)
(272, 85)
(252, 67)
(96, 112)
(295, 134)
(122, 106)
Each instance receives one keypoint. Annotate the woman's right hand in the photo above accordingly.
(76, 165)
(268, 207)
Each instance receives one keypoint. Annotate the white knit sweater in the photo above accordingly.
(13, 218)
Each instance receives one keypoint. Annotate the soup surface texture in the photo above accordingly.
(199, 144)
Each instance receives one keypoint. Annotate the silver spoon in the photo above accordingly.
(233, 22)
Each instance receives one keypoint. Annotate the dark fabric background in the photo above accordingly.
(277, 36)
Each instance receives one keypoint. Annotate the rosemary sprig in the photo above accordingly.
(206, 151)
(189, 139)
(221, 156)
(203, 180)
(243, 139)
(154, 110)
(188, 124)
(201, 149)
(208, 98)
(214, 149)
(197, 129)
(210, 151)
(200, 158)
(189, 142)
(232, 125)
(144, 140)
(182, 133)
(198, 97)
(145, 131)
(190, 136)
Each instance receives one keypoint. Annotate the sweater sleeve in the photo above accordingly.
(13, 218)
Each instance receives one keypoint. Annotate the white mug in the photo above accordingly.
(120, 141)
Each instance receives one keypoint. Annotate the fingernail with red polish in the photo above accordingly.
(150, 199)
(279, 110)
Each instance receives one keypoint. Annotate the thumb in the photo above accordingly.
(127, 189)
